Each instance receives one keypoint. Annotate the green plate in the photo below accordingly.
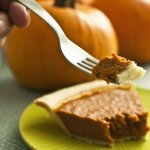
(40, 132)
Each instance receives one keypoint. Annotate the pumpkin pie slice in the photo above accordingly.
(116, 69)
(98, 113)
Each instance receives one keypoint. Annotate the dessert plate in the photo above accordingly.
(41, 132)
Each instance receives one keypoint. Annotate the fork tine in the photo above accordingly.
(85, 66)
(85, 69)
(89, 63)
(93, 60)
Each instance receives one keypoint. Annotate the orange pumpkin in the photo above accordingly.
(34, 53)
(131, 20)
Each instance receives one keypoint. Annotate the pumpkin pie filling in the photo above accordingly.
(105, 116)
(116, 69)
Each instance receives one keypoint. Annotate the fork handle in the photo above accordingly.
(44, 15)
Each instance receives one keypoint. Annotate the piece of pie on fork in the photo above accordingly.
(116, 69)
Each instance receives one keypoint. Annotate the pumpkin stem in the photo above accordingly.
(65, 3)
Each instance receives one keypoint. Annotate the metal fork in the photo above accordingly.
(73, 53)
